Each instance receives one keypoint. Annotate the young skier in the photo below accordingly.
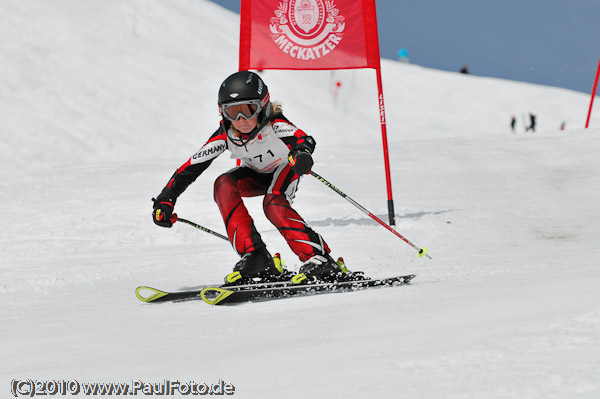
(274, 155)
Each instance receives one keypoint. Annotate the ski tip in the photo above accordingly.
(214, 295)
(154, 294)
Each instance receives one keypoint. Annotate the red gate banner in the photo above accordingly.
(308, 34)
(314, 34)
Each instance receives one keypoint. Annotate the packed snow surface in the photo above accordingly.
(102, 100)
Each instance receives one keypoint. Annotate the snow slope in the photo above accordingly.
(102, 100)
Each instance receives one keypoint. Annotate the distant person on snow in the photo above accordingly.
(274, 155)
(513, 122)
(531, 122)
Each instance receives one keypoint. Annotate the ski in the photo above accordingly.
(225, 295)
(149, 294)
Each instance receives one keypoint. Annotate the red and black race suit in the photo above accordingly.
(264, 171)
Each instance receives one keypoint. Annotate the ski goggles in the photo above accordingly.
(246, 109)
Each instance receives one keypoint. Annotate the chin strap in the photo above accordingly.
(250, 135)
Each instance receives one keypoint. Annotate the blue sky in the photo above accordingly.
(550, 42)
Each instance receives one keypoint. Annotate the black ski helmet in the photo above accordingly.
(241, 86)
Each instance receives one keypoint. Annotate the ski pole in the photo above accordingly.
(422, 251)
(174, 218)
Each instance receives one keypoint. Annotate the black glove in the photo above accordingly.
(300, 157)
(162, 213)
(301, 161)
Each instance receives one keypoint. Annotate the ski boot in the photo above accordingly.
(348, 275)
(319, 269)
(256, 267)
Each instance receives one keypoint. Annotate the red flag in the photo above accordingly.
(308, 34)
